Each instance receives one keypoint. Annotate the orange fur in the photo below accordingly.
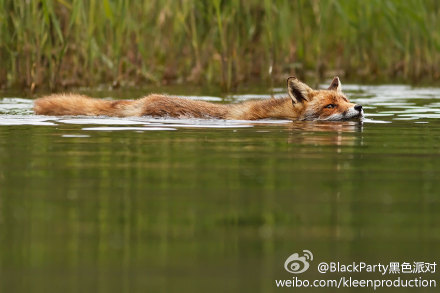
(303, 104)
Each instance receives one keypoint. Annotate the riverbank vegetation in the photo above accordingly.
(68, 43)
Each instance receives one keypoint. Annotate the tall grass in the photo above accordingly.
(61, 43)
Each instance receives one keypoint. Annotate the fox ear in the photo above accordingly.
(298, 91)
(336, 85)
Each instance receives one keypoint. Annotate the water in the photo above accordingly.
(95, 204)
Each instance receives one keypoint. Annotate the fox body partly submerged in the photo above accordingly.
(303, 103)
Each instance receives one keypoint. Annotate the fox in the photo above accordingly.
(301, 103)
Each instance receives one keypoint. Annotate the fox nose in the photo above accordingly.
(358, 107)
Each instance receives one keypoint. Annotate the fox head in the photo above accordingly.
(329, 104)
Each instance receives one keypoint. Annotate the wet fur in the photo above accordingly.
(160, 105)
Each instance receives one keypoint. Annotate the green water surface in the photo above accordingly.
(216, 209)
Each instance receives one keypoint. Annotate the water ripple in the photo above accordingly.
(386, 102)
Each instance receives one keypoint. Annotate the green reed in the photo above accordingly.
(62, 43)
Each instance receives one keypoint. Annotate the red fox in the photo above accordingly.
(302, 103)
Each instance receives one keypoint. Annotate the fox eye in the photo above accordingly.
(330, 106)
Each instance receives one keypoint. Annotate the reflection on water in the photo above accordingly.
(324, 132)
(106, 204)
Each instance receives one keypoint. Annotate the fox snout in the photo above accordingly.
(358, 108)
(353, 112)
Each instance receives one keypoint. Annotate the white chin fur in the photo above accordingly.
(335, 117)
(351, 113)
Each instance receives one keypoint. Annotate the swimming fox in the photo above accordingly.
(302, 103)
